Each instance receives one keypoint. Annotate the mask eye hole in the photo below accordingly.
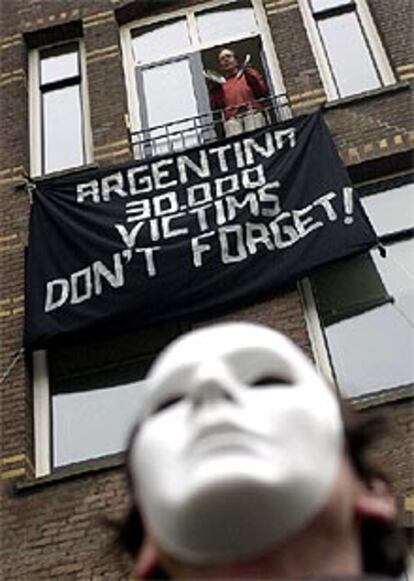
(166, 403)
(272, 380)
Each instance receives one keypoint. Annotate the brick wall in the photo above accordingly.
(299, 69)
(394, 21)
(57, 531)
(51, 530)
(373, 128)
(395, 458)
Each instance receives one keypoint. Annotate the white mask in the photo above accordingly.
(239, 446)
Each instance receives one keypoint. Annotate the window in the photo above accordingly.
(167, 90)
(60, 136)
(88, 396)
(346, 45)
(366, 305)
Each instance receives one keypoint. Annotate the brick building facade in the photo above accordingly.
(50, 513)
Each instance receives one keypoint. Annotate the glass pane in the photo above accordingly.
(169, 96)
(392, 210)
(374, 351)
(321, 5)
(150, 44)
(397, 272)
(343, 31)
(93, 423)
(59, 63)
(62, 129)
(223, 23)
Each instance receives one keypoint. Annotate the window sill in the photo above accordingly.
(65, 473)
(65, 172)
(345, 101)
(383, 397)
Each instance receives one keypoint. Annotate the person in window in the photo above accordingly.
(243, 465)
(240, 92)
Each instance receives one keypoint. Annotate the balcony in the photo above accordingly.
(209, 127)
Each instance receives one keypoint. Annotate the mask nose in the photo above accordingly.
(213, 383)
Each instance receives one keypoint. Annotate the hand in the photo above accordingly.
(247, 60)
(245, 65)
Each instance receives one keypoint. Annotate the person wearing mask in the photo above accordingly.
(245, 465)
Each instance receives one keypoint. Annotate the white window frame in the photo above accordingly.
(42, 417)
(316, 330)
(41, 413)
(135, 124)
(43, 433)
(35, 116)
(370, 31)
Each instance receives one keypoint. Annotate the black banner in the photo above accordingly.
(187, 233)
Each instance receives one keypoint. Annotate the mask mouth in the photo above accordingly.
(220, 430)
(224, 435)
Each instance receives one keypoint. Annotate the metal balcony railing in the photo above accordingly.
(208, 127)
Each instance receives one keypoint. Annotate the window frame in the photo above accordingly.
(135, 109)
(43, 420)
(42, 376)
(42, 425)
(370, 34)
(200, 92)
(316, 328)
(36, 128)
(316, 333)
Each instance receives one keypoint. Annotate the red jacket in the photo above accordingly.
(239, 93)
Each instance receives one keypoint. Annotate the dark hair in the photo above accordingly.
(383, 546)
(382, 543)
(223, 48)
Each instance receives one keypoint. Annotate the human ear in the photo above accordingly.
(375, 501)
(146, 560)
